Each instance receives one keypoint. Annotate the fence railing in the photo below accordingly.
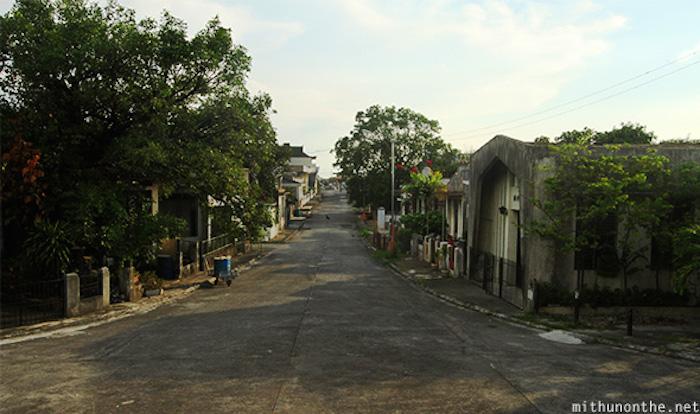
(31, 302)
(216, 243)
(511, 274)
(476, 265)
(486, 267)
(188, 248)
(90, 285)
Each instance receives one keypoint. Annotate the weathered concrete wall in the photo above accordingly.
(540, 260)
(486, 230)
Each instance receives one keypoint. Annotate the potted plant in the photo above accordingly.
(152, 285)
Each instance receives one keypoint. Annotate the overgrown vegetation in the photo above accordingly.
(422, 223)
(602, 201)
(553, 295)
(98, 105)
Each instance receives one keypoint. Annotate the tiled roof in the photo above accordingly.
(296, 151)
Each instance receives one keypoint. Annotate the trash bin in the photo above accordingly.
(222, 269)
(222, 266)
(165, 267)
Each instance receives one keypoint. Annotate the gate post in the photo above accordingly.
(500, 277)
(106, 291)
(72, 294)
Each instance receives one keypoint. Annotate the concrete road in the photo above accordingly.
(320, 327)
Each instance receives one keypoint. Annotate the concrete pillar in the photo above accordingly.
(443, 256)
(431, 250)
(104, 272)
(381, 220)
(72, 292)
(459, 262)
(450, 254)
(436, 247)
(126, 284)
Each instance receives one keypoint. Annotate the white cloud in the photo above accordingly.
(244, 24)
(533, 49)
(367, 14)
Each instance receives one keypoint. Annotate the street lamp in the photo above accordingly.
(392, 240)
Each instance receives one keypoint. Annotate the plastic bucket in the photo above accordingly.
(222, 266)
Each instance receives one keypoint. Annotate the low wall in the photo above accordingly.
(680, 313)
(92, 304)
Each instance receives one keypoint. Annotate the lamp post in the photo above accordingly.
(392, 241)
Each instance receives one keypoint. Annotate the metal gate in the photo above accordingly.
(489, 271)
(32, 302)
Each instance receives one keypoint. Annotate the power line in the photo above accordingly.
(471, 136)
(652, 80)
(613, 86)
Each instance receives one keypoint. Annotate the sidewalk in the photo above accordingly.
(173, 290)
(460, 289)
(678, 341)
(240, 263)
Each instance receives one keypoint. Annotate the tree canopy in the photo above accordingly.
(626, 133)
(104, 105)
(364, 156)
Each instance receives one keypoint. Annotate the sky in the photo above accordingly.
(479, 67)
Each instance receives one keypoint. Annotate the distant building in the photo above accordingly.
(300, 176)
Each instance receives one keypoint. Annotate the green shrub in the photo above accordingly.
(418, 222)
(403, 240)
(47, 249)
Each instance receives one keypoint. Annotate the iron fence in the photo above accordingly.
(188, 248)
(90, 285)
(511, 273)
(476, 264)
(31, 302)
(486, 267)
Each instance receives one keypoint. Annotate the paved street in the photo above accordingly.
(318, 326)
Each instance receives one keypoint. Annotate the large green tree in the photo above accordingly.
(364, 156)
(107, 104)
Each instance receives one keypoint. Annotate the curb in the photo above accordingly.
(466, 305)
(509, 319)
(70, 326)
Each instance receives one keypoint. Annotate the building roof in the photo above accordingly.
(459, 180)
(296, 151)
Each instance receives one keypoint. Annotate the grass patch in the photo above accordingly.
(365, 233)
(385, 256)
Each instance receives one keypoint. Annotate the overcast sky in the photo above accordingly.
(467, 64)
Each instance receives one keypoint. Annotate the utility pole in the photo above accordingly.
(392, 230)
(393, 166)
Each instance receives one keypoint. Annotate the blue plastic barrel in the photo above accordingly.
(222, 266)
